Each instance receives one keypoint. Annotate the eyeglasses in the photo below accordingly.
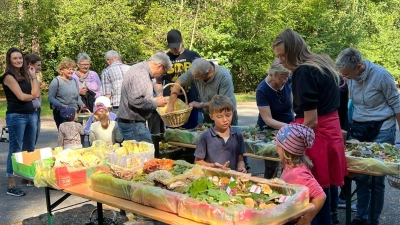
(164, 68)
(84, 64)
(280, 96)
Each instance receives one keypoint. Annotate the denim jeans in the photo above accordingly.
(364, 184)
(25, 144)
(135, 131)
(21, 129)
(38, 111)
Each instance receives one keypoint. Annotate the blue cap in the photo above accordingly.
(68, 113)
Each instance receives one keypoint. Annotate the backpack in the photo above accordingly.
(58, 85)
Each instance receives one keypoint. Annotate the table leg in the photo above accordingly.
(372, 201)
(348, 196)
(48, 206)
(100, 218)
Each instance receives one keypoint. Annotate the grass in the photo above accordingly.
(46, 111)
(245, 97)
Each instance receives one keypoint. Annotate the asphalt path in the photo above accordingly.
(16, 209)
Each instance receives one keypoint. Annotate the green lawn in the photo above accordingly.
(46, 111)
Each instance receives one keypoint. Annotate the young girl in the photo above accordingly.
(292, 141)
(104, 129)
(69, 132)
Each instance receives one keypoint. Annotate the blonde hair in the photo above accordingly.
(297, 54)
(277, 68)
(295, 160)
(66, 63)
(103, 117)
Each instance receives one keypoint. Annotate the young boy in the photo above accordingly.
(69, 132)
(221, 146)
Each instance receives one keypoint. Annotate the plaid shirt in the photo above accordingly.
(111, 81)
(137, 101)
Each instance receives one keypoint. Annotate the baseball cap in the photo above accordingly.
(174, 38)
(67, 113)
(295, 138)
(103, 100)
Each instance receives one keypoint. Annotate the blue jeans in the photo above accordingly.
(135, 131)
(21, 129)
(364, 184)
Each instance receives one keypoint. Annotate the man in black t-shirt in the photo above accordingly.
(181, 59)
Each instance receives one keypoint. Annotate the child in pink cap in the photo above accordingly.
(292, 141)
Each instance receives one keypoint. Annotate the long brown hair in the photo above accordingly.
(103, 116)
(23, 73)
(297, 53)
(292, 160)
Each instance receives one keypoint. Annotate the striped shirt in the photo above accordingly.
(111, 81)
(137, 94)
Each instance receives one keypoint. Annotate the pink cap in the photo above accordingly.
(100, 107)
(295, 138)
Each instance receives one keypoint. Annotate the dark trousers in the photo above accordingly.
(57, 118)
(324, 215)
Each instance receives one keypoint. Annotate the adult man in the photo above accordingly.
(376, 109)
(181, 59)
(137, 101)
(210, 80)
(111, 78)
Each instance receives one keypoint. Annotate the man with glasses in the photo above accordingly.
(210, 80)
(137, 100)
(111, 78)
(181, 60)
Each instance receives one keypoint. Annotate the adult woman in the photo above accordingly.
(64, 91)
(315, 85)
(274, 102)
(88, 81)
(20, 87)
(36, 62)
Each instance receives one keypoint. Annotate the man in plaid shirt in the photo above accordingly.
(111, 78)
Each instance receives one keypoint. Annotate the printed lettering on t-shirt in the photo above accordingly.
(179, 68)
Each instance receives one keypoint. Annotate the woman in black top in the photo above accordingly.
(20, 86)
(316, 98)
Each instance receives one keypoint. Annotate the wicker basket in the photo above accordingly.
(83, 114)
(394, 181)
(179, 117)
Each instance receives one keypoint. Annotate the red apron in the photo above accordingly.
(327, 153)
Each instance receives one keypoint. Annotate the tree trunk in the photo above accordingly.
(194, 24)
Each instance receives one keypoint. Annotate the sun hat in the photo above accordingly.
(295, 138)
(174, 39)
(103, 100)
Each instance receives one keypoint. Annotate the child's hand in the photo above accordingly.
(242, 169)
(224, 167)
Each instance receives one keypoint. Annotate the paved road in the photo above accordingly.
(33, 204)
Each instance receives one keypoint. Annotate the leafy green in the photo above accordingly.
(199, 186)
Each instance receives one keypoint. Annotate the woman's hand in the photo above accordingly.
(32, 72)
(82, 91)
(83, 106)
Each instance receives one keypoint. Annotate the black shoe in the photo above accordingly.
(122, 212)
(359, 222)
(15, 191)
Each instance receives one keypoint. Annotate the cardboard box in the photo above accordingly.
(23, 162)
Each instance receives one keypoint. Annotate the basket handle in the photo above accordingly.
(183, 90)
(84, 110)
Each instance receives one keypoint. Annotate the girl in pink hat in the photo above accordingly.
(292, 141)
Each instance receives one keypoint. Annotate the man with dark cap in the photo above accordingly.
(181, 60)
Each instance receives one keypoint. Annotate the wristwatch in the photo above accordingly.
(201, 104)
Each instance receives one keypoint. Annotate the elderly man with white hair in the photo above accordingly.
(210, 80)
(111, 78)
(137, 101)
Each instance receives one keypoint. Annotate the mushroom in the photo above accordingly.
(215, 180)
(266, 189)
(249, 202)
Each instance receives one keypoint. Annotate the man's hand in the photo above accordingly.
(82, 91)
(195, 104)
(161, 101)
(224, 167)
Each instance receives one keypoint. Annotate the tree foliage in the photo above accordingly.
(238, 33)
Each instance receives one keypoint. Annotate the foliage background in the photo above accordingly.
(237, 32)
